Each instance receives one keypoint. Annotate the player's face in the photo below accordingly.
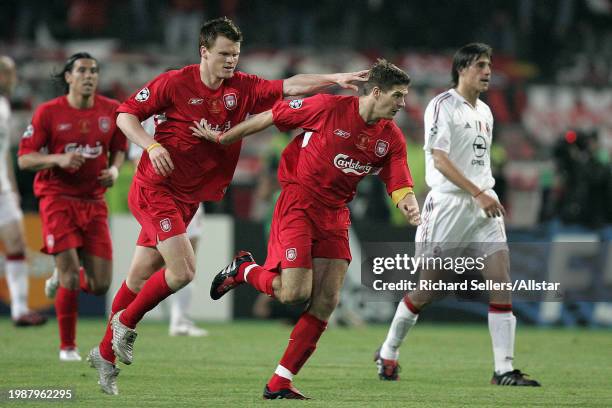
(390, 102)
(477, 75)
(8, 76)
(83, 79)
(222, 57)
(8, 80)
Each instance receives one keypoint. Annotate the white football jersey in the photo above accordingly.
(5, 141)
(465, 133)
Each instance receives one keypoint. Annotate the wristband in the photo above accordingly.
(399, 194)
(152, 146)
(478, 193)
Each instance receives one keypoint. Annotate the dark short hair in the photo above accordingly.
(466, 55)
(222, 26)
(68, 65)
(385, 76)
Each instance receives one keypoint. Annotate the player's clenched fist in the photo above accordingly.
(410, 208)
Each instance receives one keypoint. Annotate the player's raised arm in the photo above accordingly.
(303, 84)
(253, 125)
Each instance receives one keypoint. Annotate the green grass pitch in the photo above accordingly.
(443, 365)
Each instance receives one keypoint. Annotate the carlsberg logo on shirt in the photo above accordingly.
(349, 165)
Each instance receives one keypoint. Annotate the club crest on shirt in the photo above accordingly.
(230, 101)
(104, 123)
(296, 103)
(291, 254)
(382, 147)
(50, 241)
(143, 94)
(165, 224)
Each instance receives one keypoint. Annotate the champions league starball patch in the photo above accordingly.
(296, 103)
(143, 94)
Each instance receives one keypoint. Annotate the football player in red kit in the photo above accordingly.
(345, 139)
(76, 148)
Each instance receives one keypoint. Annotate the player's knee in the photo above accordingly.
(327, 304)
(69, 277)
(99, 288)
(15, 245)
(294, 296)
(184, 275)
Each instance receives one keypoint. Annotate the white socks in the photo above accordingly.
(17, 280)
(283, 372)
(502, 327)
(179, 304)
(403, 320)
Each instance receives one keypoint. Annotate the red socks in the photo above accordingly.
(66, 310)
(500, 308)
(122, 300)
(153, 292)
(302, 343)
(410, 306)
(258, 277)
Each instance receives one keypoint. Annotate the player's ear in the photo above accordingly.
(376, 91)
(203, 52)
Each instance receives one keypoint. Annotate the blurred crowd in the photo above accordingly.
(551, 95)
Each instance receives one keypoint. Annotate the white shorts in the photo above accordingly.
(194, 229)
(455, 221)
(9, 208)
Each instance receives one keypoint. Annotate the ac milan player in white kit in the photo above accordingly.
(461, 211)
(11, 228)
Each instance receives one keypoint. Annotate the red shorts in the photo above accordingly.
(73, 223)
(160, 215)
(303, 229)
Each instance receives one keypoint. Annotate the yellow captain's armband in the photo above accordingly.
(400, 194)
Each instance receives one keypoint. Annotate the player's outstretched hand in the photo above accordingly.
(490, 205)
(203, 131)
(347, 80)
(410, 208)
(71, 161)
(161, 161)
(108, 176)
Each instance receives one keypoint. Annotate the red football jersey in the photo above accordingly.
(338, 148)
(56, 128)
(202, 170)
